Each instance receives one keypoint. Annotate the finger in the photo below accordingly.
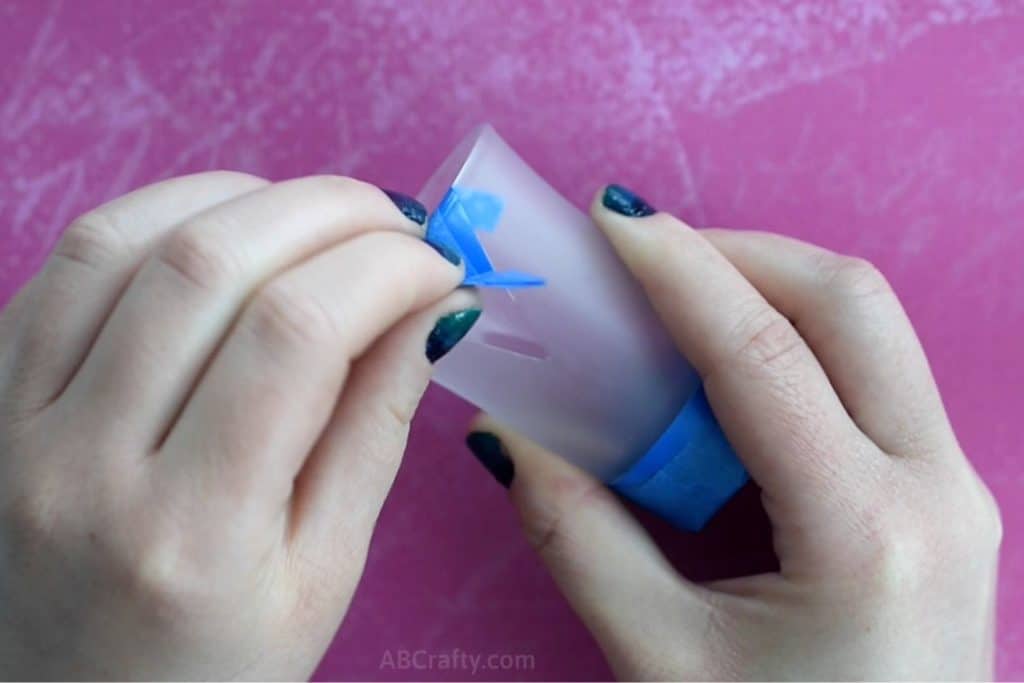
(90, 267)
(857, 328)
(12, 311)
(185, 297)
(10, 315)
(339, 493)
(631, 599)
(268, 393)
(768, 390)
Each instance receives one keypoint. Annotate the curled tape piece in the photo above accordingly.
(454, 225)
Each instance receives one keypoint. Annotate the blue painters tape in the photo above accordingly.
(459, 216)
(690, 471)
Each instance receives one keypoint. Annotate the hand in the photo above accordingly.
(886, 538)
(204, 397)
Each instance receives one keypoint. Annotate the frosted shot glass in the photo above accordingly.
(580, 365)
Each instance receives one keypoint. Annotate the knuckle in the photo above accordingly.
(767, 340)
(974, 529)
(92, 240)
(853, 278)
(337, 185)
(381, 441)
(28, 520)
(197, 257)
(349, 184)
(239, 178)
(161, 559)
(284, 315)
(911, 545)
(400, 411)
(989, 527)
(161, 576)
(895, 553)
(382, 444)
(917, 430)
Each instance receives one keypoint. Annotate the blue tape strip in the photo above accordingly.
(454, 225)
(690, 471)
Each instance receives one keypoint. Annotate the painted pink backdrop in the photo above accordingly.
(885, 129)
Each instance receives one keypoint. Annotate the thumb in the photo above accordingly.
(649, 621)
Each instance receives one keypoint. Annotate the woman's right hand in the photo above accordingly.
(886, 537)
(204, 398)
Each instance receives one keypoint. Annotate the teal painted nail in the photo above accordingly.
(489, 450)
(625, 202)
(410, 208)
(448, 331)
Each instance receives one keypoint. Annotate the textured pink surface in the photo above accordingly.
(889, 130)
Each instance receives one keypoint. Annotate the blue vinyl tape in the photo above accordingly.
(690, 471)
(454, 225)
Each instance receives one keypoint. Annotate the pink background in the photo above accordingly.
(889, 130)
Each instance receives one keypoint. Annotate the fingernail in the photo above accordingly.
(409, 207)
(489, 450)
(449, 255)
(625, 202)
(417, 213)
(448, 331)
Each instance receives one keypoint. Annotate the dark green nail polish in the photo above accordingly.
(409, 207)
(489, 450)
(448, 331)
(449, 255)
(625, 202)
